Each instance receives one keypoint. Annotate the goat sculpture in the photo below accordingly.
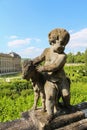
(29, 72)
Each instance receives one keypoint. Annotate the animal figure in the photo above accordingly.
(29, 72)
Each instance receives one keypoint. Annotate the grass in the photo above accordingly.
(78, 92)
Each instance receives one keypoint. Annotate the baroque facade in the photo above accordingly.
(10, 63)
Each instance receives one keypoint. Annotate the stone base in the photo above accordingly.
(79, 125)
(19, 124)
(41, 119)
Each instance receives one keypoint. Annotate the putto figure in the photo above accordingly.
(54, 60)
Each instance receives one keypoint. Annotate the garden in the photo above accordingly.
(16, 94)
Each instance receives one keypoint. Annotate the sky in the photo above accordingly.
(25, 24)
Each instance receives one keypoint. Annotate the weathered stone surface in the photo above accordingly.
(83, 106)
(80, 125)
(19, 124)
(66, 119)
(41, 121)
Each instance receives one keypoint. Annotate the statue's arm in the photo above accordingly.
(56, 65)
(40, 58)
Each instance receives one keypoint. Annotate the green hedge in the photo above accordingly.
(78, 92)
(15, 87)
(76, 73)
(15, 96)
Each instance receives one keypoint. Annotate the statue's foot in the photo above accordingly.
(43, 110)
(34, 108)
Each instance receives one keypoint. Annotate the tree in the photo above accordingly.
(78, 57)
(85, 57)
(70, 58)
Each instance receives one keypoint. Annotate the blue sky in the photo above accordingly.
(25, 24)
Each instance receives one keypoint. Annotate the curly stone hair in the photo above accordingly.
(59, 34)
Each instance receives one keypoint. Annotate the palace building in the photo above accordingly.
(10, 63)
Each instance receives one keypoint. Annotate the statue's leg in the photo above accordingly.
(50, 97)
(66, 92)
(36, 97)
(56, 108)
(42, 94)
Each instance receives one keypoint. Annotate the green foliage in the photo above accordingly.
(15, 96)
(78, 77)
(17, 85)
(76, 73)
(85, 57)
(77, 58)
(78, 92)
(70, 58)
(10, 108)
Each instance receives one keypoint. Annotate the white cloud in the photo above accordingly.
(31, 52)
(23, 47)
(19, 42)
(13, 37)
(37, 39)
(78, 40)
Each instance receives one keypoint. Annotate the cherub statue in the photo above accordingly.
(54, 60)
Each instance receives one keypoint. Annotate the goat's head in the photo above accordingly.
(27, 69)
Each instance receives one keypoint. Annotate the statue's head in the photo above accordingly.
(27, 69)
(59, 34)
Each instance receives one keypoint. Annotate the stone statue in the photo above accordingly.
(54, 60)
(50, 81)
(29, 72)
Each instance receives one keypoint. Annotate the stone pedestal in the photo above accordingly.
(63, 120)
(41, 119)
(79, 125)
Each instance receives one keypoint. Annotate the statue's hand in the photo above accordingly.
(40, 69)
